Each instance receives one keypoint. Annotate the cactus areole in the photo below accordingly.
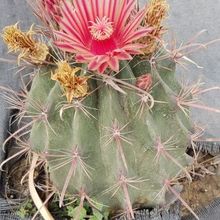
(106, 117)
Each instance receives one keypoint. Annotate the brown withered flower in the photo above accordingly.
(24, 44)
(156, 12)
(73, 85)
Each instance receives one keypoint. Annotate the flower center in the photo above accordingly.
(101, 29)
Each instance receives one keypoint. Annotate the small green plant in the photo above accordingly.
(76, 212)
(73, 210)
(26, 209)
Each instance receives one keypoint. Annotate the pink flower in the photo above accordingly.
(52, 7)
(47, 10)
(100, 32)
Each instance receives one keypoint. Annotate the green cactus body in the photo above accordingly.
(107, 145)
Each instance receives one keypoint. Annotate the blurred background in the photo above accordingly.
(187, 18)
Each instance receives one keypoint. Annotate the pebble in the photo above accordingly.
(212, 169)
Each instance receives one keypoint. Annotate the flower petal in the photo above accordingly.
(125, 13)
(114, 63)
(102, 59)
(70, 47)
(133, 25)
(93, 65)
(103, 67)
(133, 36)
(123, 55)
(65, 37)
(65, 46)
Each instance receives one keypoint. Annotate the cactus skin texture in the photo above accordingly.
(110, 147)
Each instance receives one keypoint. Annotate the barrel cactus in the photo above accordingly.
(111, 141)
(106, 112)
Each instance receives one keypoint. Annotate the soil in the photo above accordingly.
(205, 186)
(16, 190)
(16, 178)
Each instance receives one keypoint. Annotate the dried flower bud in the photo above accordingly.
(73, 85)
(144, 82)
(23, 42)
(156, 12)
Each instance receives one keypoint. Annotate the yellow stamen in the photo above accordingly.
(101, 29)
(73, 85)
